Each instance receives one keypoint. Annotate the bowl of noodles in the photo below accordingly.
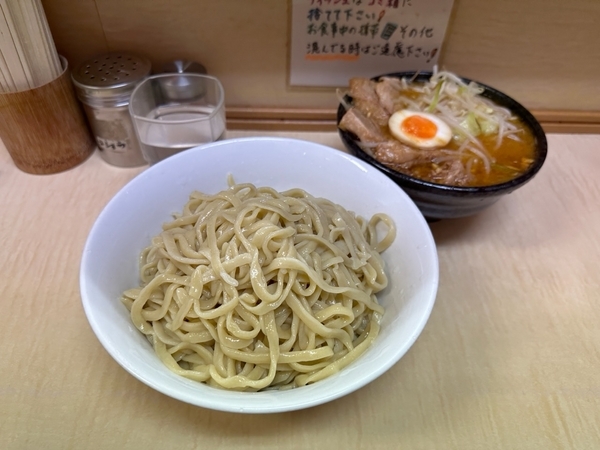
(454, 145)
(252, 276)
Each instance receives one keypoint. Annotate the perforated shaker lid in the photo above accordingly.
(109, 79)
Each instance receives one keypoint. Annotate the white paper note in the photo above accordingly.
(334, 40)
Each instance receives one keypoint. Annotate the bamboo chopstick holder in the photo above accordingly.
(44, 129)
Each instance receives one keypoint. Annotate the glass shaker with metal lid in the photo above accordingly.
(104, 85)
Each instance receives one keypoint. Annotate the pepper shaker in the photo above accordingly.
(104, 85)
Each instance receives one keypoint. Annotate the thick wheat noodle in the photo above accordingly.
(252, 289)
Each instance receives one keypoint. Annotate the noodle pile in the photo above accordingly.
(252, 289)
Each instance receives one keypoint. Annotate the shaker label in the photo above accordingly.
(109, 144)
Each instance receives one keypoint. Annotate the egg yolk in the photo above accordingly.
(419, 126)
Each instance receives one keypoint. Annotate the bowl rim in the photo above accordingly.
(416, 183)
(263, 401)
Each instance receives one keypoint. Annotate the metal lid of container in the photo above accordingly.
(184, 66)
(180, 88)
(109, 79)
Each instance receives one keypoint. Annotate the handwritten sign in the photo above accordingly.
(334, 40)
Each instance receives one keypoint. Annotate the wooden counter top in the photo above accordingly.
(510, 358)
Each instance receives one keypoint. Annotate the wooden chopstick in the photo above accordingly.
(28, 56)
(8, 47)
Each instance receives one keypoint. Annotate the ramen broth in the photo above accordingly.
(511, 159)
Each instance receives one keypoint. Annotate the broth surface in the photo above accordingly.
(510, 160)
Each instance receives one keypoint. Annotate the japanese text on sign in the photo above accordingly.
(333, 40)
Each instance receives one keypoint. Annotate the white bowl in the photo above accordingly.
(127, 223)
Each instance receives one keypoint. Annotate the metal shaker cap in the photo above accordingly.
(109, 79)
(182, 87)
(184, 66)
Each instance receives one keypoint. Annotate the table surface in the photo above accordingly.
(510, 358)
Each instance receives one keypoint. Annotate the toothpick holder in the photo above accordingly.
(44, 129)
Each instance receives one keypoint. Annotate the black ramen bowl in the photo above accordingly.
(439, 201)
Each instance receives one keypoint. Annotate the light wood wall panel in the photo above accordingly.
(544, 53)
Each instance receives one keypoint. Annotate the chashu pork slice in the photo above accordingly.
(363, 89)
(400, 157)
(365, 98)
(373, 111)
(388, 93)
(362, 127)
(395, 153)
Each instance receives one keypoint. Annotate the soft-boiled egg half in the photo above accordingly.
(419, 129)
